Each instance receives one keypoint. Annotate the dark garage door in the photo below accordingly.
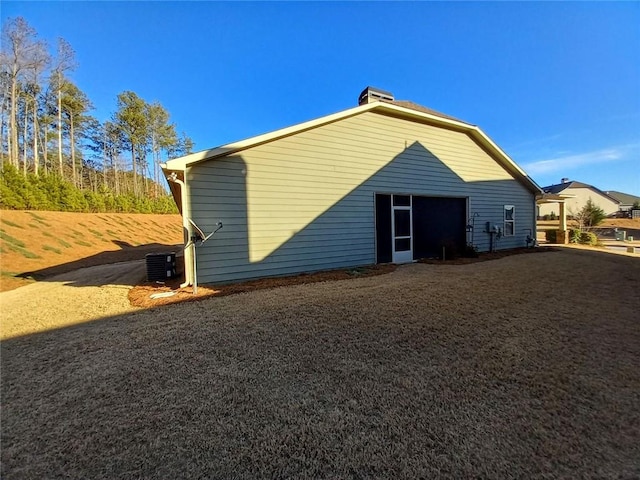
(438, 222)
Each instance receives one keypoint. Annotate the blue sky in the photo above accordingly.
(556, 85)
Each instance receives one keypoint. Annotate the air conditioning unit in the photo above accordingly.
(160, 266)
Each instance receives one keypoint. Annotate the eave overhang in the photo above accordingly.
(180, 164)
(176, 190)
(552, 197)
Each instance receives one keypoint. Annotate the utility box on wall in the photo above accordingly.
(160, 266)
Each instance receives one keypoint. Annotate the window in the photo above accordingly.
(402, 221)
(509, 221)
(402, 200)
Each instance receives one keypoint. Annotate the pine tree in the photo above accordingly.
(589, 216)
(75, 104)
(65, 61)
(131, 119)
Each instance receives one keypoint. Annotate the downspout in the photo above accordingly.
(189, 245)
(534, 234)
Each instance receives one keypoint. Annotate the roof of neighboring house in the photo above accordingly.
(563, 186)
(560, 187)
(403, 109)
(623, 198)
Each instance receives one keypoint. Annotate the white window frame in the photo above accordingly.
(512, 221)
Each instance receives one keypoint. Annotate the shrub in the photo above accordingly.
(553, 216)
(574, 235)
(551, 236)
(52, 192)
(35, 195)
(95, 202)
(11, 189)
(588, 238)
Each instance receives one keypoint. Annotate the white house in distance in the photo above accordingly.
(576, 195)
(385, 181)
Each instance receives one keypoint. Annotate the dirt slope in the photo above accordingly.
(42, 244)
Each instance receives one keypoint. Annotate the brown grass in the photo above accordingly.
(523, 367)
(141, 295)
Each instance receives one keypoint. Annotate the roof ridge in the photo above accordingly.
(553, 188)
(441, 120)
(421, 108)
(622, 197)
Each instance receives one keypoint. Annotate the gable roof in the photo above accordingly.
(402, 109)
(415, 106)
(623, 198)
(560, 187)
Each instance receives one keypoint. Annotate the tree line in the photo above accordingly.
(51, 192)
(46, 126)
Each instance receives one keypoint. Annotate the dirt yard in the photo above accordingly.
(526, 366)
(71, 298)
(43, 244)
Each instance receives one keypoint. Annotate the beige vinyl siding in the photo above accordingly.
(306, 202)
(575, 204)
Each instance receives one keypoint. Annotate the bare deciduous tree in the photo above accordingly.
(21, 52)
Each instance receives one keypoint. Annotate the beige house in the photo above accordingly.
(385, 181)
(576, 195)
(626, 201)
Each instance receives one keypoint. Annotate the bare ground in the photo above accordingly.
(68, 299)
(37, 245)
(527, 366)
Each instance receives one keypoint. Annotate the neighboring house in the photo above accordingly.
(384, 181)
(625, 201)
(577, 194)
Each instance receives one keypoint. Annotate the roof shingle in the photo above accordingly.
(623, 198)
(560, 187)
(415, 106)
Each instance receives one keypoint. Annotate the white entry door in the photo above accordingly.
(401, 229)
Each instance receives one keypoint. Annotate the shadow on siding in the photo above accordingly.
(343, 235)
